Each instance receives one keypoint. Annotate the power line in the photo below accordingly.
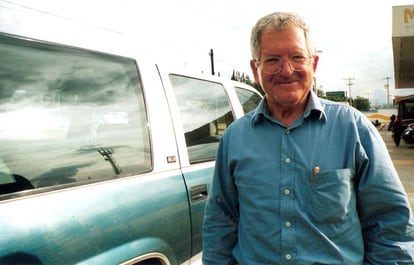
(234, 7)
(59, 16)
(368, 81)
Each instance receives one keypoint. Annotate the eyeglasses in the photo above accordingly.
(274, 64)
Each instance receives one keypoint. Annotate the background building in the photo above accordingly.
(403, 45)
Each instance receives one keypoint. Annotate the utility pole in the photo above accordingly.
(387, 87)
(349, 87)
(212, 61)
(107, 155)
(369, 104)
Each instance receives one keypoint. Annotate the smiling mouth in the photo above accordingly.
(285, 82)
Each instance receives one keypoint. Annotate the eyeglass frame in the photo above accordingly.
(308, 59)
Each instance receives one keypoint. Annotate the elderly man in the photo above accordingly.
(301, 180)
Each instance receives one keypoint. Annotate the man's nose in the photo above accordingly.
(286, 67)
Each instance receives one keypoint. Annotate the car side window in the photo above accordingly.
(205, 112)
(248, 99)
(68, 116)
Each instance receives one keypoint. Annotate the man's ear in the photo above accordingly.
(254, 70)
(315, 62)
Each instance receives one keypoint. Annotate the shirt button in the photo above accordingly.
(287, 131)
(287, 160)
(288, 256)
(288, 224)
(287, 192)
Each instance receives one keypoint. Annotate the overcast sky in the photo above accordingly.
(354, 36)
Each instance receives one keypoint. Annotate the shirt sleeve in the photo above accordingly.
(221, 217)
(383, 206)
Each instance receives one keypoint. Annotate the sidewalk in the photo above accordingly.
(403, 159)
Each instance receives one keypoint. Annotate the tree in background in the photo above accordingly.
(361, 103)
(244, 78)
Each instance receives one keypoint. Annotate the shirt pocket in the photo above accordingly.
(332, 195)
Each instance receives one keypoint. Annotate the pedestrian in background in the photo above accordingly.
(302, 180)
(398, 129)
(391, 124)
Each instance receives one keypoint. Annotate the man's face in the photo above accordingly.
(286, 87)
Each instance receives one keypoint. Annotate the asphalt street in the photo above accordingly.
(403, 159)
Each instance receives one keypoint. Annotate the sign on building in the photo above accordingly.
(403, 20)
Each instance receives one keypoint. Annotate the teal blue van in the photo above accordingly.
(106, 159)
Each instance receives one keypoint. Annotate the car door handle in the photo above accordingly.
(199, 193)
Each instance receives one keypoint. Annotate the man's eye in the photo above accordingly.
(298, 58)
(273, 60)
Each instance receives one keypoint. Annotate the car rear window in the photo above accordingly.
(248, 99)
(205, 112)
(68, 116)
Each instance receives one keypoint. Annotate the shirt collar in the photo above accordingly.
(314, 108)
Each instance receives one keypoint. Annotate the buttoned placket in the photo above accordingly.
(287, 180)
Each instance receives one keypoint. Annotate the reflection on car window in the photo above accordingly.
(68, 116)
(248, 99)
(205, 113)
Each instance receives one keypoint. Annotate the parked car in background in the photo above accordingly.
(408, 134)
(106, 159)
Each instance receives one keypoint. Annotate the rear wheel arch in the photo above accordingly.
(149, 259)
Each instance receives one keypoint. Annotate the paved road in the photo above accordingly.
(403, 158)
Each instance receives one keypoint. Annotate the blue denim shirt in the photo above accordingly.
(323, 191)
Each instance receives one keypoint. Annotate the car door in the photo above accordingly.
(204, 110)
